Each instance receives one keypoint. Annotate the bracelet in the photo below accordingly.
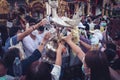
(42, 43)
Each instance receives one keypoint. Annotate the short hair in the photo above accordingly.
(13, 30)
(39, 71)
(110, 54)
(10, 56)
(97, 62)
(41, 28)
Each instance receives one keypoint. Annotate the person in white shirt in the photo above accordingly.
(44, 70)
(40, 35)
(30, 43)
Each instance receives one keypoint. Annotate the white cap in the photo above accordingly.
(81, 25)
(98, 34)
(94, 40)
(105, 17)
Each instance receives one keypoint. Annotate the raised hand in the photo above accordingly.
(47, 36)
(43, 22)
(67, 38)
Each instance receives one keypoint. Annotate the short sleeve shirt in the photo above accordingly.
(56, 72)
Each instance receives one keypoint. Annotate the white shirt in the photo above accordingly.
(29, 45)
(92, 25)
(40, 37)
(56, 72)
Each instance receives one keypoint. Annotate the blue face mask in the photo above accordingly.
(3, 78)
(91, 36)
(103, 24)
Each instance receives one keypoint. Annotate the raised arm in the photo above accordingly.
(87, 46)
(44, 41)
(75, 47)
(36, 54)
(59, 54)
(56, 71)
(20, 36)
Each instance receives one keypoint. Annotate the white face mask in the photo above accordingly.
(94, 40)
(35, 32)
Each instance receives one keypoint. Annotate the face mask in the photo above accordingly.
(35, 32)
(91, 36)
(103, 24)
(94, 40)
(82, 32)
(3, 78)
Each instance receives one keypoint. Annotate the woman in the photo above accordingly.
(98, 64)
(94, 60)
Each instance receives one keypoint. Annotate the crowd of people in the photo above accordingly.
(28, 41)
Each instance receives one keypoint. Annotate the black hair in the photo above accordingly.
(3, 63)
(4, 33)
(117, 36)
(41, 28)
(10, 56)
(110, 54)
(87, 27)
(51, 54)
(13, 31)
(2, 52)
(9, 59)
(21, 11)
(39, 71)
(110, 45)
(98, 64)
(31, 19)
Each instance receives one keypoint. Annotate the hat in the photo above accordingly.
(81, 25)
(59, 21)
(97, 33)
(94, 40)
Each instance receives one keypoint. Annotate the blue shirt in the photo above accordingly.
(14, 42)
